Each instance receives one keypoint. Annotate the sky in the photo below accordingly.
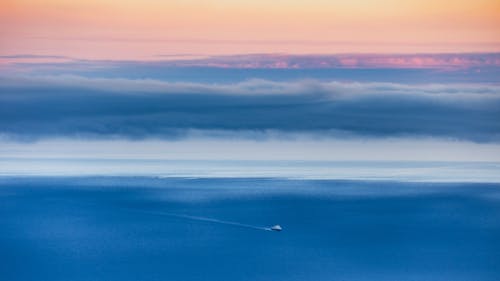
(250, 80)
(133, 29)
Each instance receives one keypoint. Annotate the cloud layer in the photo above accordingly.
(283, 61)
(74, 106)
(290, 61)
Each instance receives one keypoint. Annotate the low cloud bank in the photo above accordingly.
(75, 106)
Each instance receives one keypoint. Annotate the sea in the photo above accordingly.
(340, 221)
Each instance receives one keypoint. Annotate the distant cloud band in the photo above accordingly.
(75, 106)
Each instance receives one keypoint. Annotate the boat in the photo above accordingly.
(276, 228)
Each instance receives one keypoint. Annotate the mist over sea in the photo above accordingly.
(412, 171)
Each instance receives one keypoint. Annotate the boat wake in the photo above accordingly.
(211, 220)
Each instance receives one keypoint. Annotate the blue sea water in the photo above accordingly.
(146, 228)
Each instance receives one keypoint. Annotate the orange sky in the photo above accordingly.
(141, 29)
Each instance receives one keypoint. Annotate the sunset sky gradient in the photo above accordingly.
(132, 29)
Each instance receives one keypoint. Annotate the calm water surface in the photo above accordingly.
(122, 228)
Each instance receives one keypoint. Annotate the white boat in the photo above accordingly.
(276, 228)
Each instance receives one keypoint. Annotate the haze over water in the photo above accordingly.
(412, 171)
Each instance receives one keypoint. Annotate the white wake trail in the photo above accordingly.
(188, 217)
(205, 219)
